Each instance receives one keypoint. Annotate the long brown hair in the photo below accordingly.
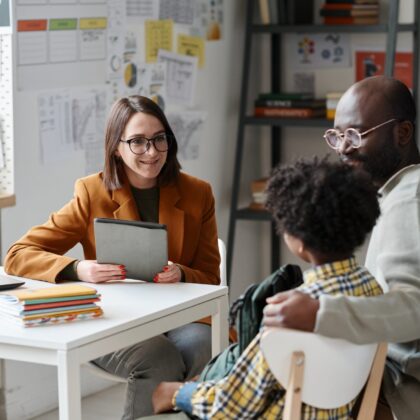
(121, 112)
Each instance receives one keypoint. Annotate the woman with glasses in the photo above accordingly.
(141, 180)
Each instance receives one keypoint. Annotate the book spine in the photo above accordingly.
(330, 20)
(288, 103)
(286, 96)
(287, 112)
(264, 12)
(352, 2)
(340, 6)
(347, 13)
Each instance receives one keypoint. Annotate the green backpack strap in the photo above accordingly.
(247, 313)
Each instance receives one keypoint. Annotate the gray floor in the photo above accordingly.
(105, 405)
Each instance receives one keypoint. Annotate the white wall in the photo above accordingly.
(31, 389)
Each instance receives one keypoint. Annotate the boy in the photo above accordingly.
(324, 211)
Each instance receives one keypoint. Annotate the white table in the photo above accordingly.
(133, 312)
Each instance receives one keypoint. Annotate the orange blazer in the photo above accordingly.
(187, 208)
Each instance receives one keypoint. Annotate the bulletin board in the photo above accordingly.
(6, 121)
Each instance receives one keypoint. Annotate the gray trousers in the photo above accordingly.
(177, 355)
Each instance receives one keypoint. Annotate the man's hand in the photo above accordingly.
(291, 309)
(163, 395)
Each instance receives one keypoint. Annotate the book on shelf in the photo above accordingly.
(349, 12)
(351, 20)
(264, 12)
(286, 96)
(289, 112)
(345, 6)
(259, 196)
(352, 1)
(50, 305)
(291, 103)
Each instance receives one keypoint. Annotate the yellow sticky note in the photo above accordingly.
(192, 45)
(159, 34)
(93, 23)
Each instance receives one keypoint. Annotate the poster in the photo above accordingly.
(372, 63)
(311, 51)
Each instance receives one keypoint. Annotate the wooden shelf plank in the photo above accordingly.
(7, 200)
(320, 28)
(248, 214)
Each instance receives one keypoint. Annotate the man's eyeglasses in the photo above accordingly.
(140, 144)
(351, 136)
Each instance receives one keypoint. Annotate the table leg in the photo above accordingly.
(69, 397)
(220, 327)
(3, 413)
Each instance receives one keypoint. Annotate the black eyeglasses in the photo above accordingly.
(351, 136)
(140, 144)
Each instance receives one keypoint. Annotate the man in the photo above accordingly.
(374, 130)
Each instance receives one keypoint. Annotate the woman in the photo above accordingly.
(141, 181)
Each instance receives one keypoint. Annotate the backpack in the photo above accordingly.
(246, 314)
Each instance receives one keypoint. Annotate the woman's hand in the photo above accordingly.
(163, 395)
(171, 274)
(93, 272)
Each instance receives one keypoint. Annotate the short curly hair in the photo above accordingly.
(331, 207)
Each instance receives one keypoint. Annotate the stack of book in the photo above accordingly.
(50, 305)
(350, 12)
(259, 196)
(289, 105)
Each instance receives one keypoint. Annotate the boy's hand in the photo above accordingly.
(163, 395)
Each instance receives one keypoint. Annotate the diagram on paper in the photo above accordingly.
(187, 127)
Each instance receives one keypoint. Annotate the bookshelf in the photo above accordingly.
(390, 27)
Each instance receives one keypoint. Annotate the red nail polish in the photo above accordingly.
(165, 268)
(122, 266)
(155, 279)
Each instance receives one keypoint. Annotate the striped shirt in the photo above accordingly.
(250, 391)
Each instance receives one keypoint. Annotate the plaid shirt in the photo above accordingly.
(250, 391)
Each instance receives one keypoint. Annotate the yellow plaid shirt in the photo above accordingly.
(251, 391)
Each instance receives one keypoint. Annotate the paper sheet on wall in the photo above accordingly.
(187, 126)
(208, 20)
(181, 74)
(115, 38)
(1, 146)
(159, 34)
(180, 11)
(95, 147)
(193, 46)
(72, 121)
(93, 38)
(140, 10)
(56, 131)
(312, 51)
(146, 79)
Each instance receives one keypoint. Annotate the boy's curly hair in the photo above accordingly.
(331, 207)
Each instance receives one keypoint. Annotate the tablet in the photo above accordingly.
(9, 283)
(142, 247)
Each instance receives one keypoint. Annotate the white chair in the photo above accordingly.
(222, 267)
(323, 372)
(223, 282)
